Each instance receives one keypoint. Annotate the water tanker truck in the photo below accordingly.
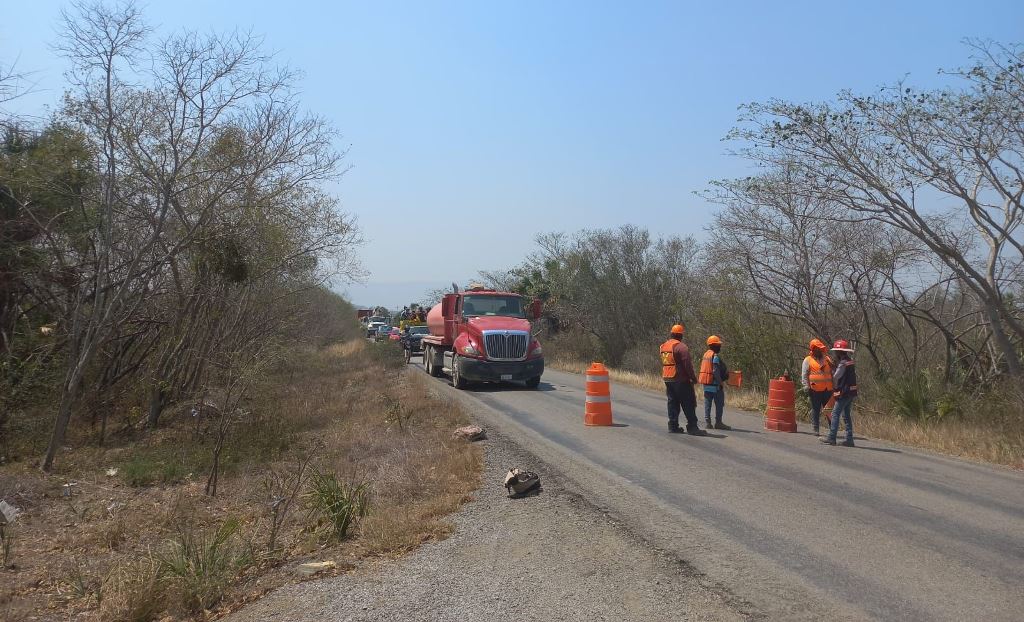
(483, 335)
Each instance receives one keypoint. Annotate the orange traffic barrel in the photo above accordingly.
(781, 412)
(598, 410)
(735, 379)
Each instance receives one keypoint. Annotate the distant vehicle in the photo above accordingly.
(374, 325)
(412, 340)
(382, 333)
(394, 334)
(483, 335)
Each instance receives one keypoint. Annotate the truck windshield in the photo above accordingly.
(506, 306)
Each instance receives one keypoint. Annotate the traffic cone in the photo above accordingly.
(780, 415)
(598, 410)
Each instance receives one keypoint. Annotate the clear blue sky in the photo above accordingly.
(476, 125)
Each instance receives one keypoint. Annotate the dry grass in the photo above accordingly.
(346, 410)
(974, 438)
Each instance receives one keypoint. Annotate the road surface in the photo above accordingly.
(796, 529)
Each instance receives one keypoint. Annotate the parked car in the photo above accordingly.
(373, 326)
(394, 334)
(382, 333)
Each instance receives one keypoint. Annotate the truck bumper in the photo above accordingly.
(488, 371)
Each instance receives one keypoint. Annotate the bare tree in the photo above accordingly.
(945, 166)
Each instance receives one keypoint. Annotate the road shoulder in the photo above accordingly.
(552, 556)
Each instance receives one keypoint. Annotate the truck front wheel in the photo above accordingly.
(533, 383)
(457, 380)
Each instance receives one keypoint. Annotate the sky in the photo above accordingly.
(470, 127)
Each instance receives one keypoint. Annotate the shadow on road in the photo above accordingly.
(508, 386)
(745, 431)
(881, 449)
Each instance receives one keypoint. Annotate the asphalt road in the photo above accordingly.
(795, 529)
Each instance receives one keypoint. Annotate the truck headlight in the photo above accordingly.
(536, 351)
(470, 350)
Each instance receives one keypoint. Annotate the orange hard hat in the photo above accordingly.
(817, 344)
(678, 329)
(713, 340)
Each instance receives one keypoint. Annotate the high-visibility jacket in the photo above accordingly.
(668, 359)
(819, 375)
(707, 368)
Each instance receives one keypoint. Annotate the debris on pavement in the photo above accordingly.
(313, 568)
(520, 483)
(470, 432)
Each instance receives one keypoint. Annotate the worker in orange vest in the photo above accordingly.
(677, 372)
(713, 375)
(816, 376)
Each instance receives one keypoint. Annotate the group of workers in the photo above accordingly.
(417, 314)
(823, 377)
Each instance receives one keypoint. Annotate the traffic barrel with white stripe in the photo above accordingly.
(598, 410)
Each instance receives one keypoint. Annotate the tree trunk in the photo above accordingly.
(1013, 366)
(60, 426)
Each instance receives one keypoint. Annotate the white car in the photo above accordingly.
(371, 328)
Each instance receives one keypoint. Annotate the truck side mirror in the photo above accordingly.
(536, 308)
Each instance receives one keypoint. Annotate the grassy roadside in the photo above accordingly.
(333, 460)
(979, 438)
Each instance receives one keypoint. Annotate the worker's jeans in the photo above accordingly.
(680, 396)
(818, 401)
(718, 399)
(843, 407)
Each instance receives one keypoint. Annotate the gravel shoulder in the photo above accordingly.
(552, 556)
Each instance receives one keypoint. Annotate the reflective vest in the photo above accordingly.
(668, 359)
(707, 368)
(819, 375)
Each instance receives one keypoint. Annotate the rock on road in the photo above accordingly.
(796, 529)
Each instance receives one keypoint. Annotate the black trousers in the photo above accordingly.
(680, 395)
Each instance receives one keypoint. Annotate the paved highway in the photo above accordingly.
(788, 528)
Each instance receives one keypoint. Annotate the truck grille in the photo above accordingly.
(506, 345)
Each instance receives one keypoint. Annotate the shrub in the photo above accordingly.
(335, 503)
(199, 567)
(146, 470)
(133, 592)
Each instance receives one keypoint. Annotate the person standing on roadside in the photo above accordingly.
(677, 372)
(816, 376)
(844, 389)
(713, 375)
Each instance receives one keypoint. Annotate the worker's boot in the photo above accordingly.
(847, 444)
(708, 424)
(722, 426)
(673, 427)
(695, 431)
(817, 432)
(828, 441)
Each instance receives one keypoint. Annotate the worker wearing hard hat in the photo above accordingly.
(713, 374)
(677, 372)
(816, 376)
(844, 389)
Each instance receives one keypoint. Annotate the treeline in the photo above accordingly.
(166, 229)
(892, 219)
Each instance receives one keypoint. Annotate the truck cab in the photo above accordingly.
(483, 335)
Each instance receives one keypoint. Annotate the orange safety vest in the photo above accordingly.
(819, 375)
(668, 360)
(707, 368)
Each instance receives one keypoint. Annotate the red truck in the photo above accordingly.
(483, 335)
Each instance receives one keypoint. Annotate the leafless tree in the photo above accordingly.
(945, 166)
